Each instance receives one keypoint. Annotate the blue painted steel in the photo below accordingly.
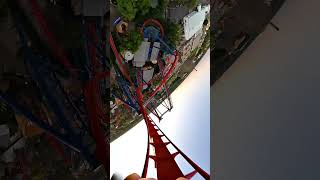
(41, 124)
(63, 138)
(166, 45)
(124, 101)
(43, 75)
(125, 88)
(117, 21)
(153, 34)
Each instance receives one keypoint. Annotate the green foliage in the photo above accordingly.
(176, 82)
(189, 3)
(130, 8)
(194, 52)
(158, 12)
(206, 42)
(144, 6)
(127, 9)
(173, 32)
(132, 41)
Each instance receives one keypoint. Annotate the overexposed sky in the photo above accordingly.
(187, 126)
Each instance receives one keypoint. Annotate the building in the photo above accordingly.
(188, 46)
(141, 56)
(197, 40)
(155, 52)
(147, 76)
(193, 22)
(176, 14)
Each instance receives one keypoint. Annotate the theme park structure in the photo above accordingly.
(70, 98)
(69, 90)
(165, 163)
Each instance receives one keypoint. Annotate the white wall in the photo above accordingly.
(266, 107)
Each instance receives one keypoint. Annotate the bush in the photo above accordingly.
(132, 41)
(130, 8)
(158, 12)
(173, 32)
(189, 3)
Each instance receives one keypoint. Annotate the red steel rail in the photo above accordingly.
(49, 37)
(94, 104)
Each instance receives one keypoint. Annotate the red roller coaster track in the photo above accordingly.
(125, 72)
(167, 168)
(94, 104)
(49, 37)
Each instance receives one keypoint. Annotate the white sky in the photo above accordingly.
(187, 126)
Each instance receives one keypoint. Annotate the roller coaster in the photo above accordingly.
(166, 166)
(75, 90)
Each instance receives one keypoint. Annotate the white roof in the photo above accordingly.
(141, 55)
(193, 22)
(155, 51)
(147, 76)
(128, 55)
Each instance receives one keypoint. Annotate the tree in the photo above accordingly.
(191, 3)
(158, 12)
(130, 8)
(132, 41)
(174, 32)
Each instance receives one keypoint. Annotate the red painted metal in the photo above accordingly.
(52, 42)
(190, 175)
(97, 75)
(154, 111)
(193, 164)
(94, 104)
(166, 76)
(119, 59)
(145, 116)
(93, 111)
(167, 168)
(153, 21)
(124, 71)
(164, 160)
(161, 66)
